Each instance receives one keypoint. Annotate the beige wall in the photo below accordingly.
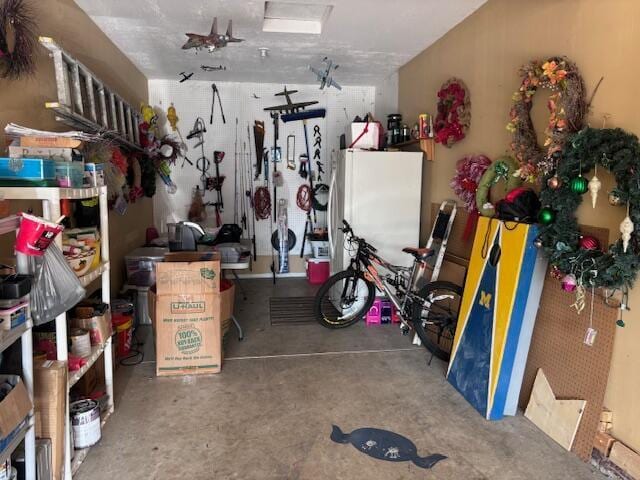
(486, 51)
(23, 101)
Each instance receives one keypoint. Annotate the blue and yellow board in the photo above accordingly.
(497, 314)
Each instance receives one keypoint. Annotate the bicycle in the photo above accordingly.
(431, 310)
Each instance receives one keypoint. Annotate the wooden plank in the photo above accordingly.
(603, 443)
(626, 459)
(559, 419)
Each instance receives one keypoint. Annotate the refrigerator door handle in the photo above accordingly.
(332, 188)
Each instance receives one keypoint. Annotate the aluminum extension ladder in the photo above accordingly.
(85, 103)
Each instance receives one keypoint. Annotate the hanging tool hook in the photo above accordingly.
(215, 93)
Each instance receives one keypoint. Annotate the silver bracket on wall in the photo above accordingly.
(85, 103)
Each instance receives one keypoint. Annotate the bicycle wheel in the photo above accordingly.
(343, 299)
(436, 319)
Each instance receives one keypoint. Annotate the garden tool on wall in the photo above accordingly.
(258, 138)
(303, 171)
(218, 156)
(291, 152)
(250, 194)
(283, 237)
(216, 93)
(276, 177)
(236, 198)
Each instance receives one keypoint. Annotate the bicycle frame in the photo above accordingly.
(367, 258)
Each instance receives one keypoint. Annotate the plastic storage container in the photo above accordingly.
(27, 172)
(70, 174)
(320, 248)
(317, 270)
(141, 265)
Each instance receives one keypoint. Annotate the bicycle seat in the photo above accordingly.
(419, 253)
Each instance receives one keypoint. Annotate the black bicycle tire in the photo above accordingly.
(317, 303)
(422, 333)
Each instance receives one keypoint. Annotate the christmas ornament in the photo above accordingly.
(626, 228)
(546, 216)
(594, 187)
(569, 282)
(554, 182)
(614, 199)
(589, 243)
(537, 243)
(580, 302)
(556, 273)
(579, 185)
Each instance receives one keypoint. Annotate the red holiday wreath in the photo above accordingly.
(454, 117)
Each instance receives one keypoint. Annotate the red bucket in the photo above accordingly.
(123, 325)
(36, 234)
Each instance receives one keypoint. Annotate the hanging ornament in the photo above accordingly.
(172, 117)
(537, 242)
(626, 228)
(556, 273)
(614, 199)
(569, 282)
(589, 243)
(594, 187)
(554, 182)
(580, 302)
(579, 185)
(546, 216)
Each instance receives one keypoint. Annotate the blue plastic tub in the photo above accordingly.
(27, 170)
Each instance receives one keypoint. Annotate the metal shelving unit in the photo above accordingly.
(50, 198)
(26, 432)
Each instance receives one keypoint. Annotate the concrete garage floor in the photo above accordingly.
(270, 418)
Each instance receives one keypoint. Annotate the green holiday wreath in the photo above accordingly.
(618, 152)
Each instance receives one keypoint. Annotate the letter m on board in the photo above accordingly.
(485, 299)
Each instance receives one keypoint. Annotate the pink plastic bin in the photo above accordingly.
(373, 315)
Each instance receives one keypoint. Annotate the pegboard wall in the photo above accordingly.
(574, 370)
(192, 99)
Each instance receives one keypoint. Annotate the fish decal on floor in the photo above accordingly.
(385, 445)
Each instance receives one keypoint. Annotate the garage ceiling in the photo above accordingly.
(369, 39)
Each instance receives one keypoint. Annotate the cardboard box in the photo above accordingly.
(49, 142)
(15, 406)
(188, 273)
(88, 383)
(99, 327)
(368, 140)
(59, 154)
(50, 395)
(188, 334)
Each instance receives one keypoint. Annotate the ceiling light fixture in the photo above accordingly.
(289, 17)
(264, 52)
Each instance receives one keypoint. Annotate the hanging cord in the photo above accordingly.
(136, 357)
(262, 203)
(303, 198)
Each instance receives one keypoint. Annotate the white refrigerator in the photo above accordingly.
(379, 194)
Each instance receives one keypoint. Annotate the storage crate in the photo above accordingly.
(70, 174)
(27, 172)
(320, 249)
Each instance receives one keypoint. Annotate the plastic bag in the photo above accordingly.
(56, 288)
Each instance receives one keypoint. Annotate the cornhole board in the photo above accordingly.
(497, 315)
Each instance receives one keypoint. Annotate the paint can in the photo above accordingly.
(85, 422)
(80, 342)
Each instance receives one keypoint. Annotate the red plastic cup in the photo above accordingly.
(36, 234)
